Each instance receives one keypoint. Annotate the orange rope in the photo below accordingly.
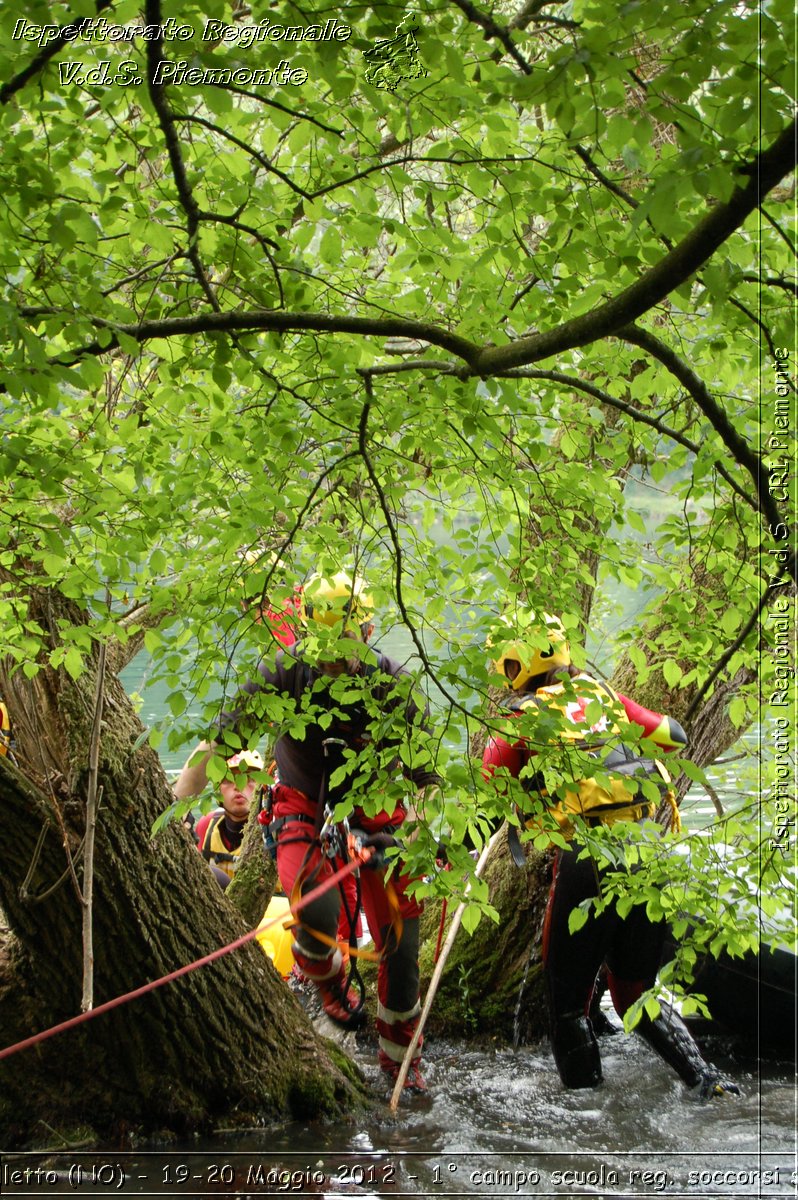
(359, 856)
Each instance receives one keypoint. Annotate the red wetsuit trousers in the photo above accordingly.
(398, 974)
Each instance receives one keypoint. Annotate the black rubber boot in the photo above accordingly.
(674, 1043)
(602, 1022)
(576, 1051)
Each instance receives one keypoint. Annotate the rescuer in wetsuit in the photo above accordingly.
(373, 708)
(220, 834)
(536, 665)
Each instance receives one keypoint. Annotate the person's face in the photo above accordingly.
(236, 801)
(346, 666)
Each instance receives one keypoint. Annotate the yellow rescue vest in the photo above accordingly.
(616, 798)
(214, 851)
(5, 729)
(277, 940)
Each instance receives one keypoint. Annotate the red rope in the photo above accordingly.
(329, 882)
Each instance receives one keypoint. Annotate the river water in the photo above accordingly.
(496, 1122)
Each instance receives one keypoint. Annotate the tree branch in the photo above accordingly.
(776, 281)
(637, 414)
(397, 547)
(163, 111)
(291, 112)
(528, 12)
(738, 642)
(265, 244)
(607, 320)
(766, 334)
(47, 52)
(140, 619)
(737, 445)
(669, 273)
(492, 30)
(250, 150)
(775, 225)
(603, 179)
(419, 364)
(278, 321)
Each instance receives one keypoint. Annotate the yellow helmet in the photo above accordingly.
(245, 760)
(522, 647)
(340, 599)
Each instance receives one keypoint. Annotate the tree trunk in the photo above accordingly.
(710, 732)
(254, 882)
(228, 1038)
(493, 981)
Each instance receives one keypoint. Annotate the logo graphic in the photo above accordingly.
(397, 58)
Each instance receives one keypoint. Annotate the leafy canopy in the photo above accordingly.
(496, 337)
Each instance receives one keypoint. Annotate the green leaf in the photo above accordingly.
(637, 657)
(472, 915)
(672, 672)
(730, 621)
(577, 918)
(737, 712)
(73, 662)
(152, 641)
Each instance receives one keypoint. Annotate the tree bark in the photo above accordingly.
(255, 880)
(228, 1039)
(710, 732)
(493, 981)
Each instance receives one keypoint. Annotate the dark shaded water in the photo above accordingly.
(496, 1123)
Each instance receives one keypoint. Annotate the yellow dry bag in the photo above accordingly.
(276, 941)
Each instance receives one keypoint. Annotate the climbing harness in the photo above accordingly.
(339, 843)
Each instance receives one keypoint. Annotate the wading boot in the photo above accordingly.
(395, 1032)
(340, 1002)
(576, 1051)
(674, 1043)
(414, 1084)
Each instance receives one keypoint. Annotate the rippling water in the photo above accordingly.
(496, 1123)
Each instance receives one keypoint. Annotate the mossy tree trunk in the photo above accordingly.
(709, 729)
(227, 1039)
(255, 880)
(493, 983)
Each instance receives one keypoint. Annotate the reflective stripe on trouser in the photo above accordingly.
(395, 1031)
(317, 967)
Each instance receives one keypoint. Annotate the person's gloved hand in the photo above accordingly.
(713, 1084)
(380, 842)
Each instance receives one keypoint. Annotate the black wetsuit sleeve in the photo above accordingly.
(415, 718)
